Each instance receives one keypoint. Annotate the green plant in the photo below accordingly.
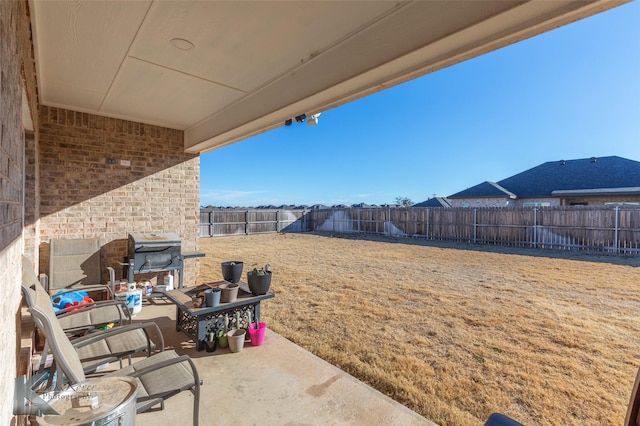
(222, 334)
(258, 272)
(261, 271)
(237, 327)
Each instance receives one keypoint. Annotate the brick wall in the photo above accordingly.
(553, 202)
(31, 233)
(17, 70)
(88, 189)
(481, 202)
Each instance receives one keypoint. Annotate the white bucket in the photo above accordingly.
(132, 298)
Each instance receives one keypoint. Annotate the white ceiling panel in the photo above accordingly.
(270, 39)
(81, 44)
(60, 95)
(144, 90)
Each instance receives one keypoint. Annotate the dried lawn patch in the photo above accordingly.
(456, 332)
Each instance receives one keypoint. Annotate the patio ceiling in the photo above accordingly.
(223, 71)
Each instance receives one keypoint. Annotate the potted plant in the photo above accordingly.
(223, 340)
(232, 271)
(197, 300)
(259, 280)
(210, 342)
(229, 292)
(236, 336)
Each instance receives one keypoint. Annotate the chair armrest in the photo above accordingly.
(103, 334)
(86, 288)
(168, 363)
(72, 310)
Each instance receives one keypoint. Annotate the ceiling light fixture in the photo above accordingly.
(182, 44)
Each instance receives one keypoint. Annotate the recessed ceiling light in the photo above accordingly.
(182, 44)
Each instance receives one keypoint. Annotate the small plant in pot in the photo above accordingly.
(197, 300)
(236, 336)
(211, 342)
(232, 271)
(223, 341)
(259, 280)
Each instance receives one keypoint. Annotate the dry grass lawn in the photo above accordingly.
(456, 332)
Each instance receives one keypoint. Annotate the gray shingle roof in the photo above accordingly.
(434, 202)
(540, 181)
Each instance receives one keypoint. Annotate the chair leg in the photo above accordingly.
(196, 406)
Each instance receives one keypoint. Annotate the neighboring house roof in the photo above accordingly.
(434, 202)
(589, 176)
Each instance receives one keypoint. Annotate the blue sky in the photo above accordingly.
(570, 93)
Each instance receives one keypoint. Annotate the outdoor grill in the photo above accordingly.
(153, 253)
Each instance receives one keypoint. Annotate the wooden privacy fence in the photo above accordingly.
(214, 223)
(591, 228)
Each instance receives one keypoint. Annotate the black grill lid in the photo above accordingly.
(152, 241)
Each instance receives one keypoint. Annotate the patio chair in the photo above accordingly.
(79, 321)
(633, 410)
(75, 264)
(499, 419)
(97, 348)
(160, 376)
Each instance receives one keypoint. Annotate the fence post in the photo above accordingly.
(535, 227)
(615, 235)
(277, 221)
(428, 214)
(246, 222)
(211, 217)
(475, 226)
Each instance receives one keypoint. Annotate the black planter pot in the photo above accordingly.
(232, 273)
(210, 346)
(259, 284)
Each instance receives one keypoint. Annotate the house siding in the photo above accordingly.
(83, 196)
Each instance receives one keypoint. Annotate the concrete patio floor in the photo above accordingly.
(278, 383)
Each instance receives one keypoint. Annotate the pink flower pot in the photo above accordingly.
(257, 336)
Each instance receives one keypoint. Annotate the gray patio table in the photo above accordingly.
(198, 322)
